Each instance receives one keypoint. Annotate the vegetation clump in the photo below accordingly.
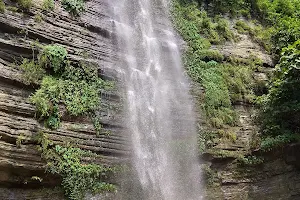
(78, 176)
(38, 18)
(282, 100)
(228, 83)
(69, 86)
(48, 5)
(2, 6)
(75, 7)
(32, 72)
(224, 83)
(25, 5)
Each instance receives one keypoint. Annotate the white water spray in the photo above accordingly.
(160, 117)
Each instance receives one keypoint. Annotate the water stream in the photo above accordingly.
(160, 117)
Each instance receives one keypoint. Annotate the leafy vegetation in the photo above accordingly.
(201, 63)
(78, 176)
(283, 100)
(210, 176)
(194, 23)
(20, 139)
(250, 160)
(69, 86)
(32, 72)
(75, 7)
(224, 83)
(233, 7)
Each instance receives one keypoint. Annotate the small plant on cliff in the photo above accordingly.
(78, 177)
(250, 161)
(2, 6)
(48, 5)
(75, 7)
(53, 57)
(38, 18)
(20, 139)
(32, 72)
(25, 5)
(211, 177)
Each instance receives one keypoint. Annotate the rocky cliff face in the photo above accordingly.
(91, 34)
(278, 177)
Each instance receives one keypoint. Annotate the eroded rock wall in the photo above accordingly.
(90, 34)
(278, 177)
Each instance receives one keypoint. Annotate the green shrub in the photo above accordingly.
(38, 18)
(53, 56)
(270, 143)
(73, 86)
(242, 27)
(25, 5)
(283, 98)
(250, 161)
(210, 176)
(78, 96)
(75, 7)
(47, 99)
(223, 30)
(32, 72)
(48, 5)
(233, 7)
(210, 55)
(239, 81)
(78, 177)
(2, 6)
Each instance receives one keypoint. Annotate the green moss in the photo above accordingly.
(32, 72)
(38, 18)
(220, 153)
(25, 5)
(74, 7)
(12, 8)
(250, 161)
(2, 6)
(211, 176)
(242, 27)
(48, 5)
(210, 55)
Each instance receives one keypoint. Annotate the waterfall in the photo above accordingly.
(159, 108)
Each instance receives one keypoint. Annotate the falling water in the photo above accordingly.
(160, 116)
